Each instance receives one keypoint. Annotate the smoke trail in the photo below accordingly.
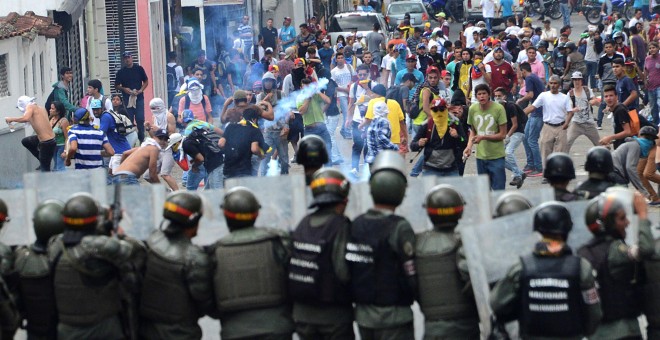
(287, 104)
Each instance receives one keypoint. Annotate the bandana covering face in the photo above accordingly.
(160, 113)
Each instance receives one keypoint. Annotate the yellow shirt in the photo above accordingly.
(395, 116)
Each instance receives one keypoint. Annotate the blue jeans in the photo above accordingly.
(58, 161)
(531, 143)
(489, 25)
(272, 138)
(654, 100)
(126, 179)
(440, 173)
(417, 168)
(510, 159)
(592, 69)
(494, 168)
(565, 10)
(194, 178)
(321, 130)
(332, 122)
(215, 179)
(343, 107)
(599, 121)
(359, 147)
(136, 114)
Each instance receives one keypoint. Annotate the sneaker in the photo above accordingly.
(292, 160)
(528, 170)
(655, 203)
(599, 128)
(535, 173)
(355, 173)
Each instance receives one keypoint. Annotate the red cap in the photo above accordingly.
(411, 57)
(440, 103)
(300, 60)
(444, 73)
(432, 69)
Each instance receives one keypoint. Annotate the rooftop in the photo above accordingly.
(29, 25)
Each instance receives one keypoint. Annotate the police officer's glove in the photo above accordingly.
(498, 331)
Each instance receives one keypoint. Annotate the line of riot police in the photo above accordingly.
(79, 280)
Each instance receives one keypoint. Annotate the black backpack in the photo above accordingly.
(207, 139)
(187, 103)
(171, 78)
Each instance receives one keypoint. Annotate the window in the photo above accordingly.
(34, 74)
(25, 78)
(4, 76)
(43, 73)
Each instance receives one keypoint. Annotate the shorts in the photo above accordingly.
(296, 128)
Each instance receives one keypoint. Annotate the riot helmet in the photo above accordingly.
(81, 212)
(601, 214)
(444, 205)
(4, 213)
(599, 160)
(312, 151)
(552, 218)
(388, 178)
(240, 207)
(510, 203)
(47, 220)
(329, 186)
(559, 166)
(183, 209)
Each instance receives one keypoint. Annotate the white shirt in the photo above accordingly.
(469, 39)
(555, 106)
(522, 56)
(512, 30)
(386, 64)
(178, 70)
(634, 22)
(591, 54)
(360, 96)
(488, 8)
(342, 76)
(479, 81)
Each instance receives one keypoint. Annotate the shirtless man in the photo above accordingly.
(42, 145)
(135, 162)
(163, 120)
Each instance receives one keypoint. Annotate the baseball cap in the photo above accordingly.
(81, 114)
(411, 57)
(95, 104)
(576, 75)
(408, 76)
(359, 35)
(421, 46)
(340, 45)
(174, 138)
(525, 39)
(444, 73)
(427, 24)
(649, 131)
(160, 133)
(498, 48)
(480, 23)
(272, 68)
(441, 15)
(257, 86)
(127, 54)
(432, 69)
(400, 47)
(187, 116)
(380, 90)
(240, 94)
(300, 60)
(268, 50)
(528, 20)
(440, 103)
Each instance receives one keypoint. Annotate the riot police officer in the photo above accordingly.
(558, 171)
(383, 293)
(551, 292)
(449, 313)
(617, 264)
(318, 274)
(35, 282)
(176, 289)
(6, 254)
(511, 202)
(86, 269)
(651, 307)
(312, 154)
(599, 165)
(9, 317)
(250, 278)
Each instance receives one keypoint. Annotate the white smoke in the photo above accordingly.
(287, 104)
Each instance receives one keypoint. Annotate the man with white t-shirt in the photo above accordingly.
(511, 27)
(488, 11)
(386, 76)
(359, 94)
(468, 33)
(522, 55)
(557, 115)
(342, 75)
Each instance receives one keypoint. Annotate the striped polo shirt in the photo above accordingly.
(90, 144)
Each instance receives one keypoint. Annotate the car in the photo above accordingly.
(418, 14)
(348, 23)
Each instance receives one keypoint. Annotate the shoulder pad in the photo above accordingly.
(172, 249)
(106, 247)
(196, 257)
(31, 264)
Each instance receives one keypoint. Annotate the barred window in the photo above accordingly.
(4, 76)
(34, 74)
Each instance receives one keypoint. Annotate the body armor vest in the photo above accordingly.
(165, 277)
(551, 296)
(440, 270)
(593, 187)
(652, 290)
(312, 278)
(619, 299)
(377, 276)
(248, 276)
(84, 299)
(35, 286)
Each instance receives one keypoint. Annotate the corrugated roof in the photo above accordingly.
(29, 25)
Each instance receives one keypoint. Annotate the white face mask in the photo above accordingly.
(196, 95)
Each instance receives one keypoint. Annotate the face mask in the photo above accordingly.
(196, 95)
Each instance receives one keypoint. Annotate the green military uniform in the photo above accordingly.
(87, 285)
(177, 288)
(459, 318)
(266, 314)
(394, 321)
(620, 264)
(652, 293)
(504, 298)
(327, 319)
(9, 314)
